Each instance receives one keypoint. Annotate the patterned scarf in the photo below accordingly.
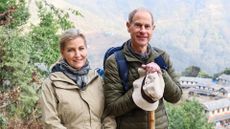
(78, 76)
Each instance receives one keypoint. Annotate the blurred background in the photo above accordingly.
(196, 34)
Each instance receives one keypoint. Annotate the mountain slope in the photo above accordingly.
(193, 32)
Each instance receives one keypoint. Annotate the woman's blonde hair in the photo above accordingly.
(68, 35)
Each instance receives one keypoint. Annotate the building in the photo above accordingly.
(223, 79)
(204, 90)
(213, 95)
(218, 111)
(224, 91)
(188, 82)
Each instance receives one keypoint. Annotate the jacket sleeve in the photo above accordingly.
(173, 91)
(48, 103)
(117, 101)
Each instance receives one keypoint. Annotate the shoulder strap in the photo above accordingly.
(100, 72)
(110, 51)
(122, 68)
(161, 62)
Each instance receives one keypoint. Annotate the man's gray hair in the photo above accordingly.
(131, 14)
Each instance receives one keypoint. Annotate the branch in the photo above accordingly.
(5, 105)
(5, 17)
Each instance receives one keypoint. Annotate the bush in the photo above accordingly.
(188, 115)
(20, 52)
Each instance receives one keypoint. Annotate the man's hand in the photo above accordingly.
(151, 67)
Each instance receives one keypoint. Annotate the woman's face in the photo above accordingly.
(75, 53)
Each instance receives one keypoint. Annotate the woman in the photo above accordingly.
(72, 95)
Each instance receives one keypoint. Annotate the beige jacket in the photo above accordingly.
(65, 106)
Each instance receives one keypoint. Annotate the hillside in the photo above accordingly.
(193, 32)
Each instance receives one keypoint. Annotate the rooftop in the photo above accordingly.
(216, 104)
(224, 77)
(200, 81)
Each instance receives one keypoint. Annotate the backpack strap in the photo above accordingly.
(161, 62)
(100, 72)
(122, 69)
(110, 51)
(121, 64)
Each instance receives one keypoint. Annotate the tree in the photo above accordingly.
(225, 71)
(203, 74)
(191, 71)
(20, 79)
(188, 115)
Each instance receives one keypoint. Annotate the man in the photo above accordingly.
(138, 53)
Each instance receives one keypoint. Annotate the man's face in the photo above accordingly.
(141, 28)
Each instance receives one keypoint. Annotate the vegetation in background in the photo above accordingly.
(188, 115)
(21, 55)
(195, 71)
(225, 71)
(191, 71)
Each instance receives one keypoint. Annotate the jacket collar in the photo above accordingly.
(131, 58)
(60, 80)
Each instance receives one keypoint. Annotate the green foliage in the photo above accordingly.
(28, 101)
(44, 36)
(61, 17)
(203, 74)
(45, 40)
(225, 71)
(76, 12)
(194, 71)
(21, 15)
(19, 53)
(191, 71)
(188, 115)
(5, 4)
(3, 122)
(15, 61)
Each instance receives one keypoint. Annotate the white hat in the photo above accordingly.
(148, 90)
